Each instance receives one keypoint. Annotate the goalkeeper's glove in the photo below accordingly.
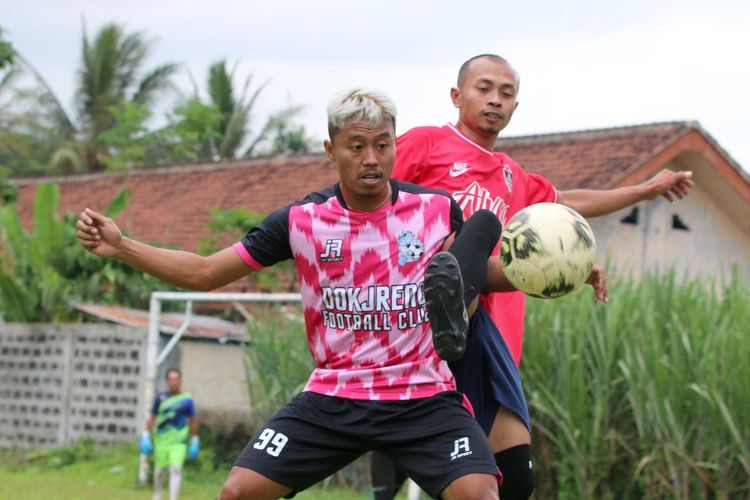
(194, 448)
(146, 446)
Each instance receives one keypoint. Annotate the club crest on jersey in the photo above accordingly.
(410, 248)
(332, 252)
(508, 177)
(458, 168)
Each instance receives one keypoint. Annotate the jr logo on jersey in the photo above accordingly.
(460, 448)
(332, 253)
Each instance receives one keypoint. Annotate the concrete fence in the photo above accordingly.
(59, 383)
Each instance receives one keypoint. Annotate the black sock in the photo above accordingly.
(386, 478)
(472, 247)
(518, 475)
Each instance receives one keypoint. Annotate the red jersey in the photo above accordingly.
(476, 177)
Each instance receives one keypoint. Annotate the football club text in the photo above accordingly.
(370, 308)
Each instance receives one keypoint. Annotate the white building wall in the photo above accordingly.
(714, 243)
(215, 375)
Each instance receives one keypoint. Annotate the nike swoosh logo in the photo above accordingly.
(455, 172)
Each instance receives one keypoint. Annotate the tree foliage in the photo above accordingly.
(233, 135)
(114, 111)
(112, 73)
(6, 52)
(229, 225)
(45, 271)
(39, 135)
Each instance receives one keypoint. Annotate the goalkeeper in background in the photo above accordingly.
(173, 413)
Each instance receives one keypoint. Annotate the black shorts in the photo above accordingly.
(487, 374)
(434, 440)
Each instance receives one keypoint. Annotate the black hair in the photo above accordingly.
(465, 66)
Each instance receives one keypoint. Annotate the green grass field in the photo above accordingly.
(111, 474)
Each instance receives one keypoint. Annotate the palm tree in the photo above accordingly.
(110, 74)
(33, 123)
(235, 112)
(235, 137)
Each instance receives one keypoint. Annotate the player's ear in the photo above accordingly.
(454, 96)
(516, 106)
(328, 147)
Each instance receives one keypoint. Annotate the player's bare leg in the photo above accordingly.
(507, 431)
(472, 487)
(245, 483)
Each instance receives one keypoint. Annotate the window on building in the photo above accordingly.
(678, 224)
(631, 218)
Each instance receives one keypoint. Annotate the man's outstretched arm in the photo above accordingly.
(101, 236)
(593, 203)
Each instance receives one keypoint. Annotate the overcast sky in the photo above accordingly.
(583, 63)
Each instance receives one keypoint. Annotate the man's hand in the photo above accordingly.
(598, 280)
(146, 446)
(670, 184)
(194, 448)
(98, 234)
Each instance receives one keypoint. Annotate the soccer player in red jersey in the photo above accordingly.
(369, 251)
(461, 159)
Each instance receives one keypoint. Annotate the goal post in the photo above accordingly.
(154, 358)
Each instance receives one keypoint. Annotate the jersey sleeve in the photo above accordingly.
(190, 407)
(540, 190)
(412, 151)
(268, 242)
(155, 406)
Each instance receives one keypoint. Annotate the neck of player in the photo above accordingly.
(367, 203)
(488, 141)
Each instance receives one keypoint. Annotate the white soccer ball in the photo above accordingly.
(547, 250)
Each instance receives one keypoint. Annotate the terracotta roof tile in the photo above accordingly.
(171, 205)
(593, 159)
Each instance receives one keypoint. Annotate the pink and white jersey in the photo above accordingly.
(361, 279)
(476, 177)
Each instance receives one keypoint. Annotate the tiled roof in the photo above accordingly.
(171, 205)
(591, 159)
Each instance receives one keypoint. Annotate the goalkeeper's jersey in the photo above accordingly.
(172, 412)
(361, 279)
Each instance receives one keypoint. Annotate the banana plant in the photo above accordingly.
(42, 271)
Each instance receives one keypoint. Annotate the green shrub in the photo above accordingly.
(45, 271)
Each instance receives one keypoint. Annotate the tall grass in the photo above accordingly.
(645, 397)
(278, 359)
